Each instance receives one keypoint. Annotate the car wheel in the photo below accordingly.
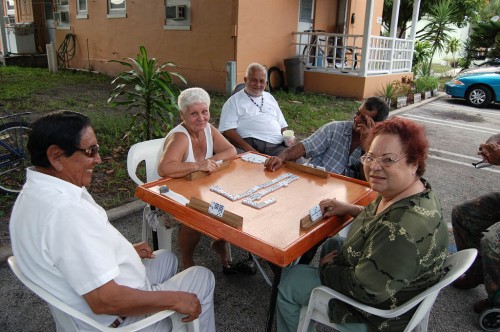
(479, 96)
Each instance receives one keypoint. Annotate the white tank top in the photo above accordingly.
(208, 136)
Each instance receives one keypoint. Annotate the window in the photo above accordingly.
(117, 9)
(178, 14)
(62, 14)
(306, 9)
(81, 9)
(11, 8)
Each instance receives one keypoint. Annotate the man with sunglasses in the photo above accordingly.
(64, 242)
(336, 146)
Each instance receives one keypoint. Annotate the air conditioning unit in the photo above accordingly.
(8, 20)
(177, 13)
(61, 17)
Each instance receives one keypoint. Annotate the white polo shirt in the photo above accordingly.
(240, 113)
(63, 241)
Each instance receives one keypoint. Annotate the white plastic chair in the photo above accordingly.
(317, 309)
(150, 153)
(63, 313)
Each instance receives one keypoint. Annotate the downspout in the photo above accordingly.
(3, 36)
(366, 38)
(346, 14)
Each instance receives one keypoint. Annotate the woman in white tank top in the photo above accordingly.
(194, 145)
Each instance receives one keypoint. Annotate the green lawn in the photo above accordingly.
(38, 91)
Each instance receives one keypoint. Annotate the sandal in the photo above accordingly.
(246, 268)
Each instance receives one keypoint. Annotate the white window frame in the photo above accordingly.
(11, 8)
(63, 6)
(178, 24)
(82, 13)
(117, 12)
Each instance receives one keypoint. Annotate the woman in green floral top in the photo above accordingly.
(395, 247)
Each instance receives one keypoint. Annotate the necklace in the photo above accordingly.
(253, 101)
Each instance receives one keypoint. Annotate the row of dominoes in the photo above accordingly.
(217, 189)
(253, 194)
(260, 205)
(254, 158)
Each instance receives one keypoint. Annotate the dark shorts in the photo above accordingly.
(264, 147)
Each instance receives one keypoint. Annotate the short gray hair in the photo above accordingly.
(192, 96)
(255, 66)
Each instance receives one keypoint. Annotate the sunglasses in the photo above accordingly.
(90, 152)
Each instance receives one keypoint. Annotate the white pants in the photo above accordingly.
(199, 280)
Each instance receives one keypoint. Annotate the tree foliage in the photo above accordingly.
(484, 40)
(437, 31)
(467, 11)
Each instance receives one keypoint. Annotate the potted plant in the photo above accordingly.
(387, 93)
(401, 90)
(425, 84)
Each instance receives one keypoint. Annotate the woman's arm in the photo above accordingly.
(223, 150)
(332, 207)
(172, 160)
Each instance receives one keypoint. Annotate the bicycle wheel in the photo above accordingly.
(13, 156)
(309, 55)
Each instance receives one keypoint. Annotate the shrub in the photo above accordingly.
(426, 83)
(148, 88)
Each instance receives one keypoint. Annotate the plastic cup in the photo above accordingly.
(289, 137)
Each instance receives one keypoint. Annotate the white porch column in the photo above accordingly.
(414, 19)
(413, 31)
(367, 32)
(394, 29)
(394, 18)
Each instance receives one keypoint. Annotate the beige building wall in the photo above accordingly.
(265, 33)
(200, 53)
(224, 30)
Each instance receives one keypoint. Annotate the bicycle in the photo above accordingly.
(13, 157)
(312, 51)
(314, 54)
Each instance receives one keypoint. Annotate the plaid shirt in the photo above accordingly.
(329, 148)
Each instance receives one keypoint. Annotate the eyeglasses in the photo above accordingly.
(386, 160)
(90, 152)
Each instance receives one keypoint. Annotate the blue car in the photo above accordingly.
(478, 86)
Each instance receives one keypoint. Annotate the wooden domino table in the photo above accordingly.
(273, 232)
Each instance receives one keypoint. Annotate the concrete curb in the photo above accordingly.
(124, 210)
(113, 214)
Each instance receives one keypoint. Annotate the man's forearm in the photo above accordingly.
(236, 140)
(293, 153)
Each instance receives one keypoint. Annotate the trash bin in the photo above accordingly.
(294, 67)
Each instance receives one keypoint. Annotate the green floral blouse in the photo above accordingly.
(388, 258)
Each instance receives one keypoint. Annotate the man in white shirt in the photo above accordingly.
(64, 243)
(251, 118)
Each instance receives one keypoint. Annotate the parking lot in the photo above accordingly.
(454, 130)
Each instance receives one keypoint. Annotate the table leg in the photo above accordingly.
(274, 296)
(155, 240)
(155, 235)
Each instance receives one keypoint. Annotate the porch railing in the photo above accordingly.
(343, 53)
